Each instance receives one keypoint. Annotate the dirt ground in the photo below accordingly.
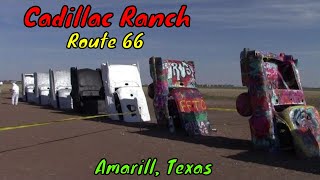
(72, 149)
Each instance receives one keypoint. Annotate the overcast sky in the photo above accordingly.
(219, 30)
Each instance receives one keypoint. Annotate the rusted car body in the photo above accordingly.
(175, 96)
(276, 105)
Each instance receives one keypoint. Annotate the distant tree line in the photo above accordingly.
(216, 86)
(226, 86)
(211, 86)
(10, 81)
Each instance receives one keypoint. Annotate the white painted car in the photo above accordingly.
(124, 93)
(60, 89)
(42, 88)
(28, 87)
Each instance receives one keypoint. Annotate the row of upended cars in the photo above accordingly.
(112, 89)
(116, 90)
(274, 101)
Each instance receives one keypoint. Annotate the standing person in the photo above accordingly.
(1, 83)
(15, 94)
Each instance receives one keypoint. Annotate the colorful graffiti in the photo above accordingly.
(192, 110)
(284, 97)
(174, 81)
(304, 118)
(180, 73)
(275, 96)
(192, 105)
(303, 122)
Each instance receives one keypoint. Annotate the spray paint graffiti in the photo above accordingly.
(305, 129)
(275, 96)
(175, 95)
(180, 73)
(192, 105)
(192, 110)
(305, 119)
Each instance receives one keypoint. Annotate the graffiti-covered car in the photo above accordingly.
(123, 93)
(60, 89)
(276, 105)
(27, 81)
(177, 102)
(41, 88)
(87, 91)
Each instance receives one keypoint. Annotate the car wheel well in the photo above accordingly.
(284, 135)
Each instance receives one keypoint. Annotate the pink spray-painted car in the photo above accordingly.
(276, 105)
(176, 97)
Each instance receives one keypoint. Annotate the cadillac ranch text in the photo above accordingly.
(82, 17)
(148, 167)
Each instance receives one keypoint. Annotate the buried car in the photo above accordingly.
(28, 87)
(177, 102)
(41, 88)
(123, 93)
(87, 91)
(60, 89)
(280, 117)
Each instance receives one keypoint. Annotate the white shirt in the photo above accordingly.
(15, 88)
